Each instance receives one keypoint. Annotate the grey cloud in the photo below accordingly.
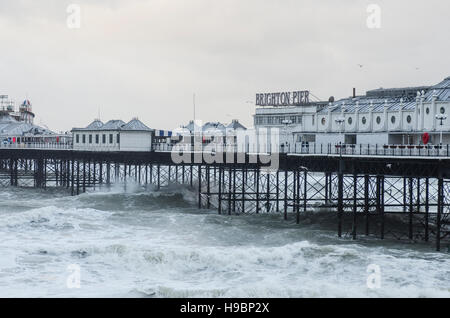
(146, 58)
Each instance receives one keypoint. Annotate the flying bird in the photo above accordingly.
(360, 65)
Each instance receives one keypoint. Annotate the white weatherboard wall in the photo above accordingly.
(94, 146)
(330, 138)
(372, 139)
(135, 140)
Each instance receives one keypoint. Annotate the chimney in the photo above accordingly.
(354, 92)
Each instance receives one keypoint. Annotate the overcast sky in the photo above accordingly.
(146, 58)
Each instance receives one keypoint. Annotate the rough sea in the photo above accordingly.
(141, 243)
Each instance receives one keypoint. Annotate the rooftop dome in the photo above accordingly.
(96, 124)
(136, 125)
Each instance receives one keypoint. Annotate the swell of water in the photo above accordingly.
(140, 243)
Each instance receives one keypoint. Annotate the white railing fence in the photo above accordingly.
(297, 148)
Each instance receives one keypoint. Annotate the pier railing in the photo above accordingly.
(298, 148)
(321, 149)
(370, 150)
(37, 145)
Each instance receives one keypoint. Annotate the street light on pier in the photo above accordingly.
(286, 123)
(340, 121)
(441, 118)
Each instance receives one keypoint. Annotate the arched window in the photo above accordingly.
(393, 119)
(378, 120)
(350, 120)
(409, 119)
(364, 120)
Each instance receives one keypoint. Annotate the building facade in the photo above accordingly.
(17, 128)
(412, 115)
(114, 135)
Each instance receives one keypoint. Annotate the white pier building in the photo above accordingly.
(397, 116)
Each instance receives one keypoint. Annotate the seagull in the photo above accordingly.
(360, 65)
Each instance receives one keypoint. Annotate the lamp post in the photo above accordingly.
(286, 123)
(340, 121)
(441, 118)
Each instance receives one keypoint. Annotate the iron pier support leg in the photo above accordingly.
(84, 175)
(78, 177)
(229, 190)
(220, 190)
(382, 206)
(405, 193)
(418, 195)
(94, 179)
(16, 173)
(199, 186)
(366, 202)
(208, 188)
(108, 173)
(158, 176)
(146, 175)
(73, 177)
(56, 173)
(340, 201)
(427, 208)
(151, 174)
(183, 174)
(278, 191)
(125, 176)
(100, 176)
(39, 173)
(305, 190)
(45, 174)
(257, 189)
(68, 174)
(268, 192)
(439, 213)
(244, 174)
(294, 191)
(410, 219)
(89, 174)
(285, 193)
(297, 203)
(170, 170)
(139, 174)
(234, 189)
(355, 202)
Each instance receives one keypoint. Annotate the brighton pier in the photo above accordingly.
(359, 190)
